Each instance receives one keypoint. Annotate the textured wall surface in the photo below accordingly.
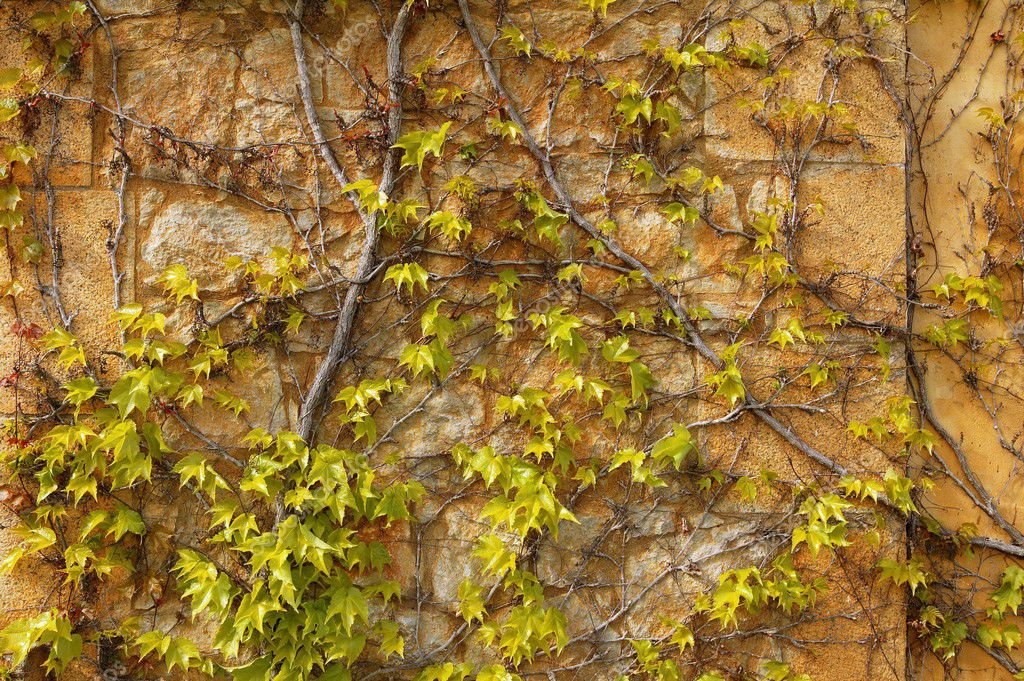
(962, 194)
(181, 131)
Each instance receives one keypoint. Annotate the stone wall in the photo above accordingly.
(179, 137)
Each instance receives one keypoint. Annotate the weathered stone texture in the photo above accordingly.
(223, 75)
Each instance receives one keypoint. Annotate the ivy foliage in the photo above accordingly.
(290, 568)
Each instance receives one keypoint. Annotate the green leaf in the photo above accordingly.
(408, 274)
(455, 227)
(948, 638)
(729, 384)
(370, 197)
(675, 447)
(496, 557)
(420, 143)
(679, 212)
(131, 392)
(257, 670)
(518, 41)
(349, 605)
(597, 5)
(617, 350)
(682, 637)
(391, 643)
(471, 602)
(10, 77)
(19, 153)
(640, 379)
(633, 106)
(182, 653)
(9, 108)
(445, 672)
(80, 390)
(49, 629)
(432, 358)
(747, 488)
(10, 196)
(123, 521)
(176, 282)
(1010, 593)
(911, 572)
(496, 672)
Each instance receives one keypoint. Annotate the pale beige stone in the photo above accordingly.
(202, 236)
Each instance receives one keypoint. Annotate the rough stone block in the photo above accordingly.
(201, 235)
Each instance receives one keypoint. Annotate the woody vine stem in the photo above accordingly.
(560, 355)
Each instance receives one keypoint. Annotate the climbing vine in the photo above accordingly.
(578, 374)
